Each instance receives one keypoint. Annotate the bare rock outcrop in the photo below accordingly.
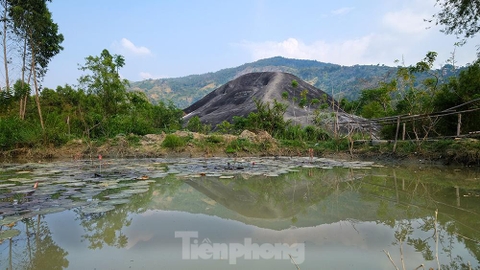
(237, 98)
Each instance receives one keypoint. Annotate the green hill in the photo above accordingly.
(342, 81)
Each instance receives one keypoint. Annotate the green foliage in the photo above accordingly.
(195, 125)
(225, 127)
(460, 90)
(166, 116)
(214, 139)
(459, 17)
(33, 21)
(292, 143)
(332, 145)
(377, 102)
(240, 123)
(173, 141)
(294, 84)
(239, 145)
(17, 133)
(313, 133)
(293, 132)
(105, 81)
(20, 89)
(440, 146)
(269, 117)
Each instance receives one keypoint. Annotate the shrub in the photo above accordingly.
(214, 139)
(195, 125)
(225, 127)
(174, 141)
(18, 133)
(238, 145)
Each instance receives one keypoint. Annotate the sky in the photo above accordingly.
(174, 38)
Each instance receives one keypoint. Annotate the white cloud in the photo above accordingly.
(148, 75)
(342, 11)
(348, 52)
(126, 46)
(145, 75)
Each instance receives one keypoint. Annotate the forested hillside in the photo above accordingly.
(343, 81)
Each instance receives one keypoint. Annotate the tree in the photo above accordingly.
(294, 98)
(462, 89)
(33, 21)
(6, 26)
(459, 17)
(377, 102)
(105, 81)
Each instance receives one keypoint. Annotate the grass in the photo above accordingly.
(173, 141)
(240, 145)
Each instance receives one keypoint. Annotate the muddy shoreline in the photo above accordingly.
(150, 146)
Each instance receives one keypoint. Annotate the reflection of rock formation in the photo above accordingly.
(268, 204)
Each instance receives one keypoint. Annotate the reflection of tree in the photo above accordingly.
(106, 228)
(40, 251)
(408, 208)
(170, 185)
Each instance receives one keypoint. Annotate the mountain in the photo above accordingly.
(237, 98)
(343, 81)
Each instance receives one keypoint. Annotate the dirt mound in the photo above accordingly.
(260, 137)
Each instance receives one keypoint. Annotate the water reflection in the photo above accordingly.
(378, 218)
(32, 247)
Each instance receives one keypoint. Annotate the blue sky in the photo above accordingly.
(172, 38)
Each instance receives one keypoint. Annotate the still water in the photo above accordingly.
(258, 213)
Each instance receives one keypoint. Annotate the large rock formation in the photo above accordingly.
(237, 98)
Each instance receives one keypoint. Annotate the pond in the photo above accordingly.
(225, 213)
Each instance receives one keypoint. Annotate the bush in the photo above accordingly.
(17, 133)
(238, 145)
(214, 139)
(195, 125)
(174, 141)
(225, 127)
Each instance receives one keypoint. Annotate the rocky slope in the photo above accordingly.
(237, 98)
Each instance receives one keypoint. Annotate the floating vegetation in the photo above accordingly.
(118, 196)
(116, 202)
(9, 220)
(226, 177)
(136, 191)
(50, 210)
(97, 209)
(8, 234)
(39, 189)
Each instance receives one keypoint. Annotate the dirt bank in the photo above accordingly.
(463, 153)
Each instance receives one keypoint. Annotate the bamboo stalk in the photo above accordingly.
(396, 134)
(436, 239)
(390, 258)
(294, 262)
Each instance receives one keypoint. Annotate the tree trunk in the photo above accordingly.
(23, 99)
(37, 94)
(4, 40)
